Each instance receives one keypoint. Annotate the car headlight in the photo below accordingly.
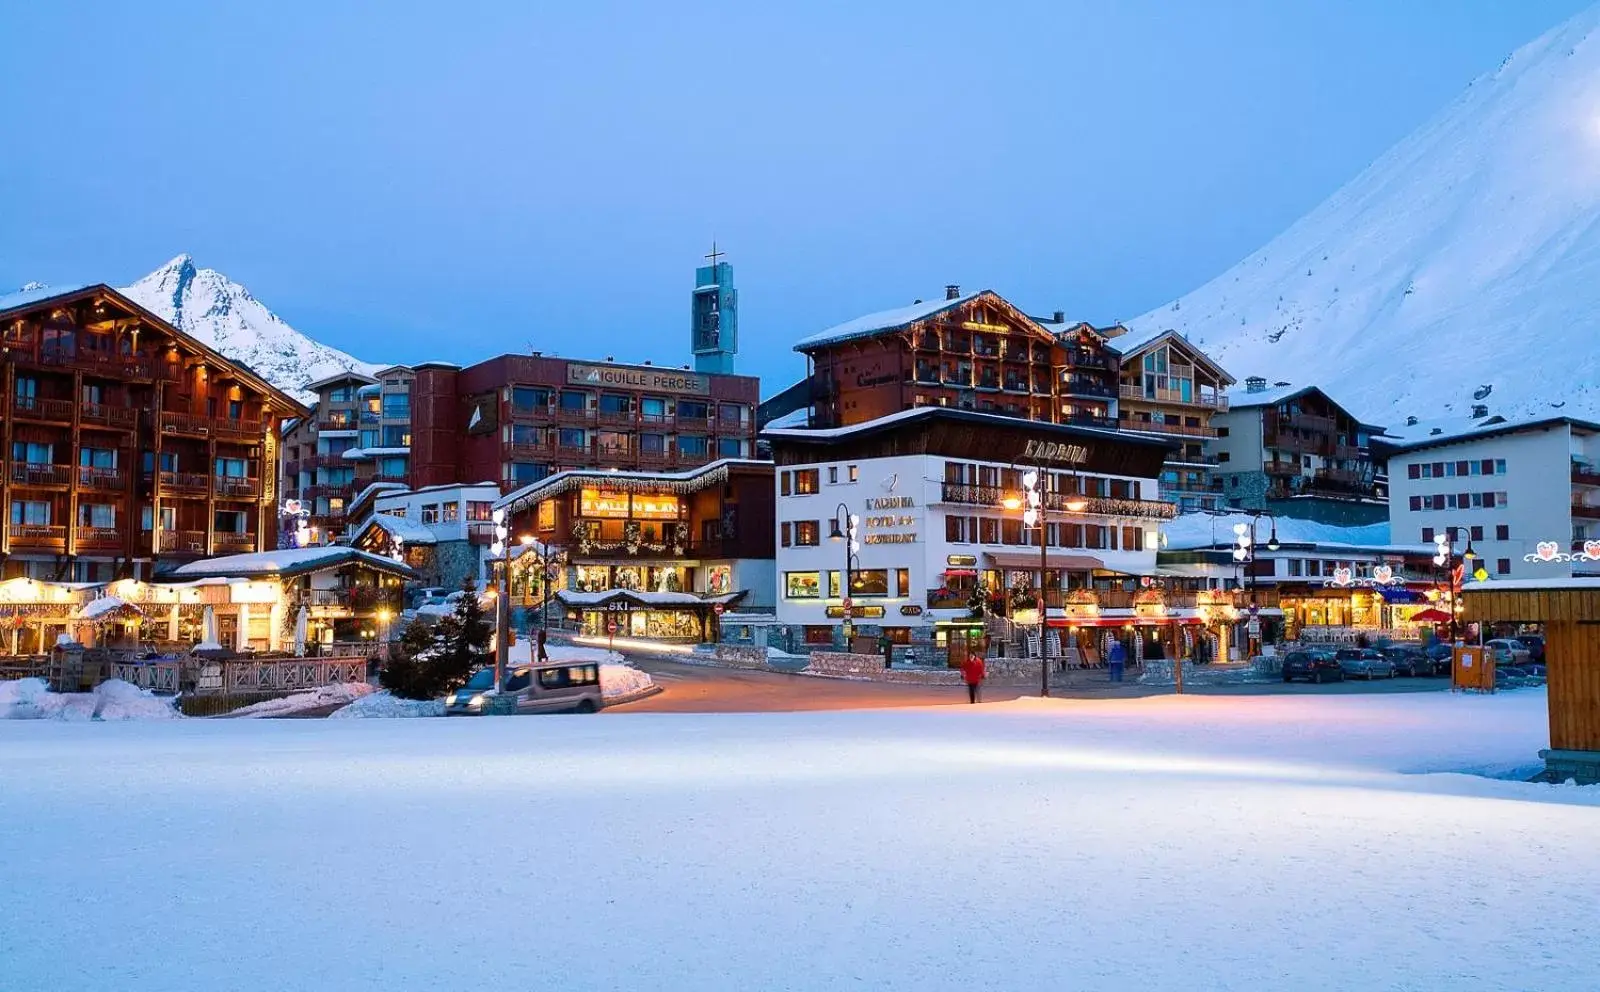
(478, 700)
(450, 700)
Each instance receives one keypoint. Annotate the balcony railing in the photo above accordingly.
(185, 482)
(1111, 506)
(1076, 386)
(349, 423)
(232, 542)
(40, 534)
(99, 537)
(1090, 420)
(108, 415)
(238, 487)
(202, 426)
(101, 478)
(1085, 359)
(1280, 468)
(39, 408)
(1585, 474)
(183, 542)
(1284, 441)
(40, 474)
(1213, 401)
(119, 366)
(533, 450)
(1149, 427)
(1585, 510)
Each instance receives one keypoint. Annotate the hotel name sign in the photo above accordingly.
(889, 528)
(1055, 451)
(664, 380)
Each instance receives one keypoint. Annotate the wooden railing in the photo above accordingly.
(238, 487)
(39, 534)
(39, 408)
(1214, 401)
(118, 366)
(101, 478)
(232, 542)
(1128, 423)
(1280, 468)
(192, 542)
(99, 537)
(185, 482)
(124, 417)
(994, 496)
(188, 423)
(40, 474)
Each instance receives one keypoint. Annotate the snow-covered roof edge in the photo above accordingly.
(885, 320)
(706, 475)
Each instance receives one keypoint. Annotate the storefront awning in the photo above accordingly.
(643, 600)
(1016, 559)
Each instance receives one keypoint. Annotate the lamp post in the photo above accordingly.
(1244, 552)
(1032, 502)
(498, 552)
(845, 529)
(383, 634)
(1445, 558)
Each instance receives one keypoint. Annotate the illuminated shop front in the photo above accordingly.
(661, 616)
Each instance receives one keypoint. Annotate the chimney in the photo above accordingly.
(952, 292)
(1255, 384)
(1061, 317)
(609, 359)
(1479, 411)
(647, 361)
(1411, 421)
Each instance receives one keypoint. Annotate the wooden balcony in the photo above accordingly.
(614, 418)
(994, 496)
(46, 537)
(228, 542)
(530, 412)
(1280, 468)
(185, 484)
(1085, 386)
(350, 423)
(516, 451)
(39, 408)
(1586, 511)
(1210, 401)
(98, 538)
(193, 425)
(578, 417)
(110, 366)
(122, 418)
(1180, 430)
(183, 542)
(237, 487)
(102, 479)
(1284, 441)
(40, 474)
(324, 461)
(689, 459)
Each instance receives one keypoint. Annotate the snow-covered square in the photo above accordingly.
(1371, 842)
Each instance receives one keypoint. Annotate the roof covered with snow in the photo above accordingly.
(826, 435)
(1270, 396)
(400, 528)
(1433, 433)
(710, 474)
(643, 598)
(286, 563)
(792, 419)
(37, 294)
(1207, 530)
(884, 320)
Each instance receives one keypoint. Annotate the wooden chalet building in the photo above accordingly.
(1169, 388)
(127, 443)
(966, 352)
(1294, 443)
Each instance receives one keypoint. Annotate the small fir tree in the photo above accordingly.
(409, 672)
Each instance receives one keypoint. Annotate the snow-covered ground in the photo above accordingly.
(617, 679)
(1164, 843)
(313, 699)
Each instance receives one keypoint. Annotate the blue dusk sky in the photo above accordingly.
(449, 181)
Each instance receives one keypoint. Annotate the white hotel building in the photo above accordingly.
(926, 489)
(1526, 492)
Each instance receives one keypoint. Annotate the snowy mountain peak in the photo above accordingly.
(1464, 261)
(224, 315)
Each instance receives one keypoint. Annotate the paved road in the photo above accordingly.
(703, 689)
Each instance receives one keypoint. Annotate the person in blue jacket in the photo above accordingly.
(1115, 659)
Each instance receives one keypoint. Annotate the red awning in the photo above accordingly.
(1430, 615)
(1022, 559)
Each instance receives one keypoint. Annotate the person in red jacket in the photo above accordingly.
(972, 675)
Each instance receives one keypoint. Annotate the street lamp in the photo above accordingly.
(498, 553)
(845, 530)
(1244, 552)
(383, 633)
(1032, 502)
(1444, 557)
(549, 560)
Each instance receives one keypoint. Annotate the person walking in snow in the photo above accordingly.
(1115, 659)
(541, 654)
(972, 675)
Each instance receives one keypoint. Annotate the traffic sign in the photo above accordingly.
(611, 627)
(847, 603)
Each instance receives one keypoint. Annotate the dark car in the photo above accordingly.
(1313, 666)
(1409, 661)
(1535, 645)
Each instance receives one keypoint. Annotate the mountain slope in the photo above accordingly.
(220, 312)
(1467, 256)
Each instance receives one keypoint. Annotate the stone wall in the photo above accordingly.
(870, 666)
(740, 656)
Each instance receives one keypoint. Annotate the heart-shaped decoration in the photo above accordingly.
(1547, 550)
(1341, 576)
(1383, 574)
(1591, 549)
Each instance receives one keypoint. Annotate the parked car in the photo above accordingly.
(1366, 663)
(1311, 665)
(1508, 651)
(1535, 645)
(555, 687)
(1410, 661)
(428, 593)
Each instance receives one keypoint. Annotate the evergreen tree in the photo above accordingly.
(409, 671)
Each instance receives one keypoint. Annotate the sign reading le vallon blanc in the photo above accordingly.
(666, 380)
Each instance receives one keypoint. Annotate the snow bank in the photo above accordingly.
(618, 679)
(385, 705)
(328, 695)
(31, 699)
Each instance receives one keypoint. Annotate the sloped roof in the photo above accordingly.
(406, 531)
(709, 474)
(33, 298)
(1408, 438)
(286, 563)
(885, 320)
(1132, 343)
(1271, 396)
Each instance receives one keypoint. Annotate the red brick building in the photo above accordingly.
(517, 419)
(967, 352)
(127, 442)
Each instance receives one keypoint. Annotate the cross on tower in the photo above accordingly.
(714, 253)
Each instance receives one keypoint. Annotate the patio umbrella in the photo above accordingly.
(1430, 615)
(301, 619)
(208, 629)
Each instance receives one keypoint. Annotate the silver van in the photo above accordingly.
(550, 687)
